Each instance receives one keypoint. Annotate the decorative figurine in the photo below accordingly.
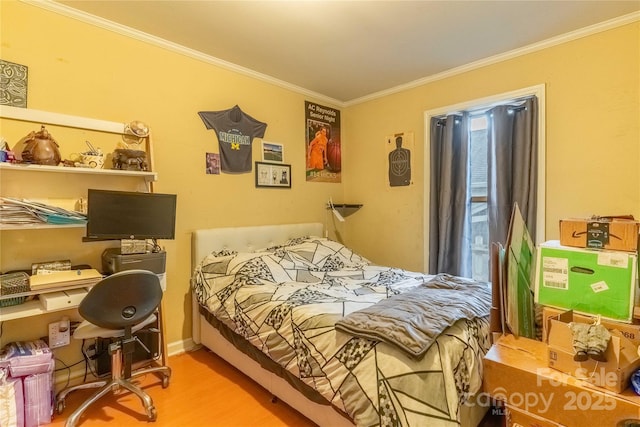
(126, 159)
(128, 155)
(40, 148)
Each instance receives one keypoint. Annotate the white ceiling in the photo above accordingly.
(350, 50)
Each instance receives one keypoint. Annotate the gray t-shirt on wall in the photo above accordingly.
(235, 130)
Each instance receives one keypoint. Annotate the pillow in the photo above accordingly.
(321, 254)
(223, 270)
(219, 270)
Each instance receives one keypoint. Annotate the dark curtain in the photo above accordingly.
(513, 166)
(449, 245)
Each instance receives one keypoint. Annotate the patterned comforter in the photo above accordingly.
(286, 301)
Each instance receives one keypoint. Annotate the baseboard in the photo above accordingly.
(179, 347)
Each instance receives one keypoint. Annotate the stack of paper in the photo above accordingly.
(14, 214)
(23, 211)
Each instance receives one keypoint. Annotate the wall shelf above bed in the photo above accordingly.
(345, 209)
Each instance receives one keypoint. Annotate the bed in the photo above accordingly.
(275, 301)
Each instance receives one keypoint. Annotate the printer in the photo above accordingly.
(114, 261)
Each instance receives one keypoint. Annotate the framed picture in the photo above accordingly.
(13, 87)
(273, 175)
(272, 152)
(213, 163)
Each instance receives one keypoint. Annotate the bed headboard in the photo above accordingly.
(251, 238)
(204, 241)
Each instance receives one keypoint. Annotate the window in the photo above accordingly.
(478, 134)
(467, 205)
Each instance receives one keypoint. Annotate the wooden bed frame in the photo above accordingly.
(249, 239)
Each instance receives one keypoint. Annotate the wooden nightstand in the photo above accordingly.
(517, 373)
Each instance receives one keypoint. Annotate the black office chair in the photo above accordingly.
(116, 307)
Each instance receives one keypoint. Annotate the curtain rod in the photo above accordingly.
(517, 105)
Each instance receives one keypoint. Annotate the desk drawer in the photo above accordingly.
(62, 300)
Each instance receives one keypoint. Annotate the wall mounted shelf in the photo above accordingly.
(78, 122)
(44, 169)
(23, 180)
(22, 167)
(33, 307)
(42, 226)
(39, 116)
(345, 209)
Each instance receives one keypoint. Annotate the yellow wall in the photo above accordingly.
(592, 140)
(74, 68)
(79, 69)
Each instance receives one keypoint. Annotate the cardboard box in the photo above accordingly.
(621, 354)
(615, 234)
(587, 281)
(517, 372)
(518, 418)
(630, 331)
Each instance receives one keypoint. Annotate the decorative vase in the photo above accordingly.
(40, 148)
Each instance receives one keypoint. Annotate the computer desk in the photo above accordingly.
(35, 307)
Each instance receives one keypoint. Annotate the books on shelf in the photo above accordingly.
(88, 277)
(50, 266)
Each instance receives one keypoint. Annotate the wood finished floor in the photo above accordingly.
(204, 391)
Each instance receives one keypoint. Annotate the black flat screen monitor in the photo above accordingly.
(115, 215)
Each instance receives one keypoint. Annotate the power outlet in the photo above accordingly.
(59, 333)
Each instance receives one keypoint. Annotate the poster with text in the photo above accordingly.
(323, 153)
(399, 149)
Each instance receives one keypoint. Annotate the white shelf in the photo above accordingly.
(47, 291)
(27, 309)
(39, 116)
(34, 307)
(42, 226)
(30, 168)
(23, 167)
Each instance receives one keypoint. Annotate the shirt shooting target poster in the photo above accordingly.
(399, 148)
(323, 154)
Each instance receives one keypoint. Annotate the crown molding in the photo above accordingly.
(563, 38)
(157, 41)
(174, 47)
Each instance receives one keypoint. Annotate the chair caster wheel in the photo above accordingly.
(60, 406)
(152, 413)
(165, 382)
